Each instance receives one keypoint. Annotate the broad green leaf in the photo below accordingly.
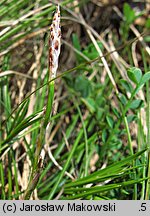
(123, 99)
(136, 104)
(131, 118)
(83, 85)
(128, 13)
(147, 39)
(148, 23)
(90, 103)
(127, 86)
(91, 52)
(135, 75)
(145, 78)
(116, 112)
(100, 112)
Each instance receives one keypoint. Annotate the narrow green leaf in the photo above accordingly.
(111, 169)
(110, 121)
(100, 189)
(104, 135)
(76, 44)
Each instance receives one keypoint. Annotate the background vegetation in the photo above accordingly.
(97, 145)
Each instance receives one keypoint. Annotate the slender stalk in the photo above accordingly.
(131, 151)
(85, 137)
(49, 103)
(33, 181)
(147, 196)
(147, 154)
(128, 134)
(2, 180)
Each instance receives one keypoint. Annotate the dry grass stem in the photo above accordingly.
(103, 60)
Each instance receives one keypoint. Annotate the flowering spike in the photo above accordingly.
(54, 43)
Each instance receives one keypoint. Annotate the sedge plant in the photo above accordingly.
(54, 52)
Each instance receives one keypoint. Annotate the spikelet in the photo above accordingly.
(54, 43)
